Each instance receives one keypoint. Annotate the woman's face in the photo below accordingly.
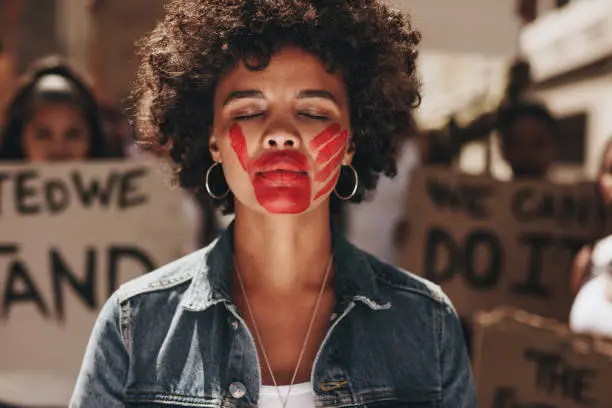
(283, 133)
(605, 178)
(56, 131)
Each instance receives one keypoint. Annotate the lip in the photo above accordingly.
(283, 178)
(281, 162)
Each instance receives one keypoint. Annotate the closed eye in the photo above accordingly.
(308, 115)
(248, 117)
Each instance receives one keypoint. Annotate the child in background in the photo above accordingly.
(53, 116)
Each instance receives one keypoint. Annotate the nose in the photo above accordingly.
(281, 140)
(58, 152)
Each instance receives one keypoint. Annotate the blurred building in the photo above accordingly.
(568, 44)
(570, 51)
(96, 36)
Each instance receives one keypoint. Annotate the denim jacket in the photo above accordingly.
(174, 338)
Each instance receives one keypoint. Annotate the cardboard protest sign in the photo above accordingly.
(490, 243)
(523, 360)
(70, 234)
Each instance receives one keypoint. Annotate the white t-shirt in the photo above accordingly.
(601, 257)
(592, 309)
(301, 396)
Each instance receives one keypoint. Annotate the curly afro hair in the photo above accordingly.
(199, 41)
(510, 114)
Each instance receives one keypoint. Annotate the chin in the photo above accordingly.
(284, 200)
(285, 207)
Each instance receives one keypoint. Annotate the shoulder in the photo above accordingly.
(170, 276)
(588, 301)
(395, 281)
(583, 256)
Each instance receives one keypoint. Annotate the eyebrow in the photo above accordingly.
(304, 94)
(317, 93)
(248, 93)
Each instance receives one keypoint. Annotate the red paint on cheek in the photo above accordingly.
(239, 145)
(332, 148)
(326, 189)
(330, 167)
(325, 136)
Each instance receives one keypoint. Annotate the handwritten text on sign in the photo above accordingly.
(545, 365)
(70, 234)
(33, 194)
(491, 243)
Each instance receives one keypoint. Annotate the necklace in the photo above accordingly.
(261, 346)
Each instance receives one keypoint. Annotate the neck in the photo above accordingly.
(281, 253)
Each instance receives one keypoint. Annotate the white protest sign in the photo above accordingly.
(543, 364)
(490, 243)
(70, 234)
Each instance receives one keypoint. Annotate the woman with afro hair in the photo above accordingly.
(281, 110)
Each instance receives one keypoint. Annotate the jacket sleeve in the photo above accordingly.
(458, 389)
(103, 374)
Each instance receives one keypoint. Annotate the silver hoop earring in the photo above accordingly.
(354, 188)
(207, 185)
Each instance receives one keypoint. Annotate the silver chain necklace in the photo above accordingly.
(302, 351)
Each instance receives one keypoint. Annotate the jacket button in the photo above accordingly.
(237, 390)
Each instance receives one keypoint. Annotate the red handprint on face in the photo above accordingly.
(330, 146)
(280, 177)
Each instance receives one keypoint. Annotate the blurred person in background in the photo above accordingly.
(592, 309)
(596, 257)
(528, 138)
(442, 146)
(528, 134)
(52, 117)
(282, 110)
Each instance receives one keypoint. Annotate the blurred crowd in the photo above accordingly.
(54, 116)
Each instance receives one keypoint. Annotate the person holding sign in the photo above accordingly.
(592, 309)
(53, 116)
(280, 109)
(592, 272)
(594, 258)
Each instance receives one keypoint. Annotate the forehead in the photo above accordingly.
(56, 113)
(55, 108)
(289, 71)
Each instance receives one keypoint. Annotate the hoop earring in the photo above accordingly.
(207, 185)
(354, 188)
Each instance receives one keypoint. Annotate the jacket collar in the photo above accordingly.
(354, 278)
